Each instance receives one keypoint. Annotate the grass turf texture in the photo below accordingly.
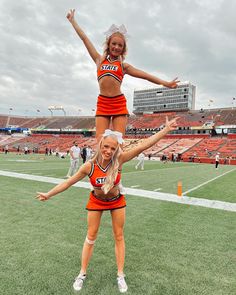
(171, 248)
(156, 175)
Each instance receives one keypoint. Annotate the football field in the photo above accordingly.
(171, 248)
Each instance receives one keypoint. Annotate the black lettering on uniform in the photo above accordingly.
(100, 180)
(109, 68)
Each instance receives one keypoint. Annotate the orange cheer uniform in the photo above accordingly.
(114, 105)
(97, 178)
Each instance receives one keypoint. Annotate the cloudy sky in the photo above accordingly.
(43, 62)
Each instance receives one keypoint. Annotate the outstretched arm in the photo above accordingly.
(132, 71)
(149, 142)
(61, 187)
(88, 44)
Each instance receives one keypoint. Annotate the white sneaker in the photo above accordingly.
(79, 280)
(122, 284)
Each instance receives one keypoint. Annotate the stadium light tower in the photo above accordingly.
(56, 108)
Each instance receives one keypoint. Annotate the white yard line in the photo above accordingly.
(133, 186)
(206, 182)
(136, 192)
(36, 169)
(41, 178)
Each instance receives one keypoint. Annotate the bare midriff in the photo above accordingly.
(111, 194)
(109, 86)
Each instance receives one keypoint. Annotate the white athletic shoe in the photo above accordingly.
(79, 280)
(122, 284)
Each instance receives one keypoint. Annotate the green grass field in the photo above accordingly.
(170, 248)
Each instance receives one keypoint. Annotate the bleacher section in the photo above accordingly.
(207, 147)
(191, 139)
(8, 140)
(181, 146)
(153, 121)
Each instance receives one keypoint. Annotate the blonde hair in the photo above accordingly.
(107, 43)
(112, 170)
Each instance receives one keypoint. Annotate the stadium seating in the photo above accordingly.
(191, 138)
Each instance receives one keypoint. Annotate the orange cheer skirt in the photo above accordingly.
(111, 106)
(95, 204)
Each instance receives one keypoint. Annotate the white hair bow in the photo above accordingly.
(114, 29)
(117, 134)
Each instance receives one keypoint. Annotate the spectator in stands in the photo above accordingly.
(74, 159)
(104, 171)
(217, 160)
(111, 68)
(213, 131)
(140, 163)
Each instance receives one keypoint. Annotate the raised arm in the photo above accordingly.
(149, 142)
(132, 71)
(88, 44)
(61, 187)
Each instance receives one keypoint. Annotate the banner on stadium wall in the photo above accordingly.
(16, 129)
(63, 129)
(226, 126)
(200, 127)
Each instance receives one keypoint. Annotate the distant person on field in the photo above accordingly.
(88, 153)
(84, 153)
(6, 149)
(140, 163)
(74, 159)
(217, 160)
(26, 150)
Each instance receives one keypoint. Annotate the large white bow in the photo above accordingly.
(114, 29)
(118, 135)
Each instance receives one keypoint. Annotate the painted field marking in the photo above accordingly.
(206, 182)
(227, 206)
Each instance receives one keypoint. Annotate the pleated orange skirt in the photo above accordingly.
(95, 204)
(111, 106)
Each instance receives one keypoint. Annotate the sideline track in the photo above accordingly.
(134, 192)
